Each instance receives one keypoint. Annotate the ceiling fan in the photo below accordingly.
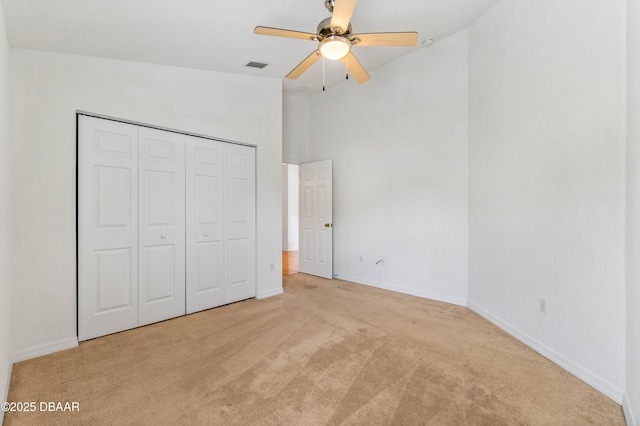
(336, 38)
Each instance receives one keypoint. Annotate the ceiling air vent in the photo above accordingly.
(256, 64)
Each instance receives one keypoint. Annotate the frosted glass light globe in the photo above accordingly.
(335, 47)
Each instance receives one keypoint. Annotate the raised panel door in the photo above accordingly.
(107, 227)
(204, 233)
(316, 219)
(161, 225)
(240, 223)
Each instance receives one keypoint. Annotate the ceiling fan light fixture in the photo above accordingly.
(335, 47)
(335, 39)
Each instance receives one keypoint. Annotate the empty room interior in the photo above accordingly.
(467, 240)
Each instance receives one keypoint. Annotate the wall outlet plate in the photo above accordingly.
(542, 305)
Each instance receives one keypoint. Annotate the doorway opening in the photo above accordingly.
(290, 219)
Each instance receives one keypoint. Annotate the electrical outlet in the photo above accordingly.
(542, 305)
(361, 259)
(271, 266)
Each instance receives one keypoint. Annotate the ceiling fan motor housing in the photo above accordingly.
(324, 29)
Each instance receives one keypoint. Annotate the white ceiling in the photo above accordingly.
(218, 35)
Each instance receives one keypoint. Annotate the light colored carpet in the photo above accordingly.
(325, 352)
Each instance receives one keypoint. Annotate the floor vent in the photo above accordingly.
(255, 64)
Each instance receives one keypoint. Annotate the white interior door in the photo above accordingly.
(316, 219)
(107, 227)
(204, 224)
(239, 222)
(162, 225)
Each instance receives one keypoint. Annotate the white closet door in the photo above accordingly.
(107, 227)
(205, 212)
(240, 222)
(162, 225)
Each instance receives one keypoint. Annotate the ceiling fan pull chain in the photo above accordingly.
(346, 65)
(323, 84)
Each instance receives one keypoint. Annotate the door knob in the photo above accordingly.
(163, 236)
(328, 225)
(206, 234)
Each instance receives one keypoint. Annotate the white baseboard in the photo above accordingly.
(269, 293)
(5, 391)
(45, 349)
(577, 370)
(628, 412)
(406, 290)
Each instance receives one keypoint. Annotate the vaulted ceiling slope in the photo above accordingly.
(218, 35)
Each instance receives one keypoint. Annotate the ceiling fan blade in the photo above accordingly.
(342, 11)
(277, 32)
(355, 68)
(304, 65)
(385, 39)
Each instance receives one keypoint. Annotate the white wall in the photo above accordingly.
(295, 128)
(399, 150)
(632, 402)
(5, 223)
(546, 155)
(47, 90)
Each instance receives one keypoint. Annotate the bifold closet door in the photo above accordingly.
(107, 227)
(161, 225)
(239, 222)
(166, 225)
(205, 245)
(221, 241)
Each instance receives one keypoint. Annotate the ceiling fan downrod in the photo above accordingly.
(329, 5)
